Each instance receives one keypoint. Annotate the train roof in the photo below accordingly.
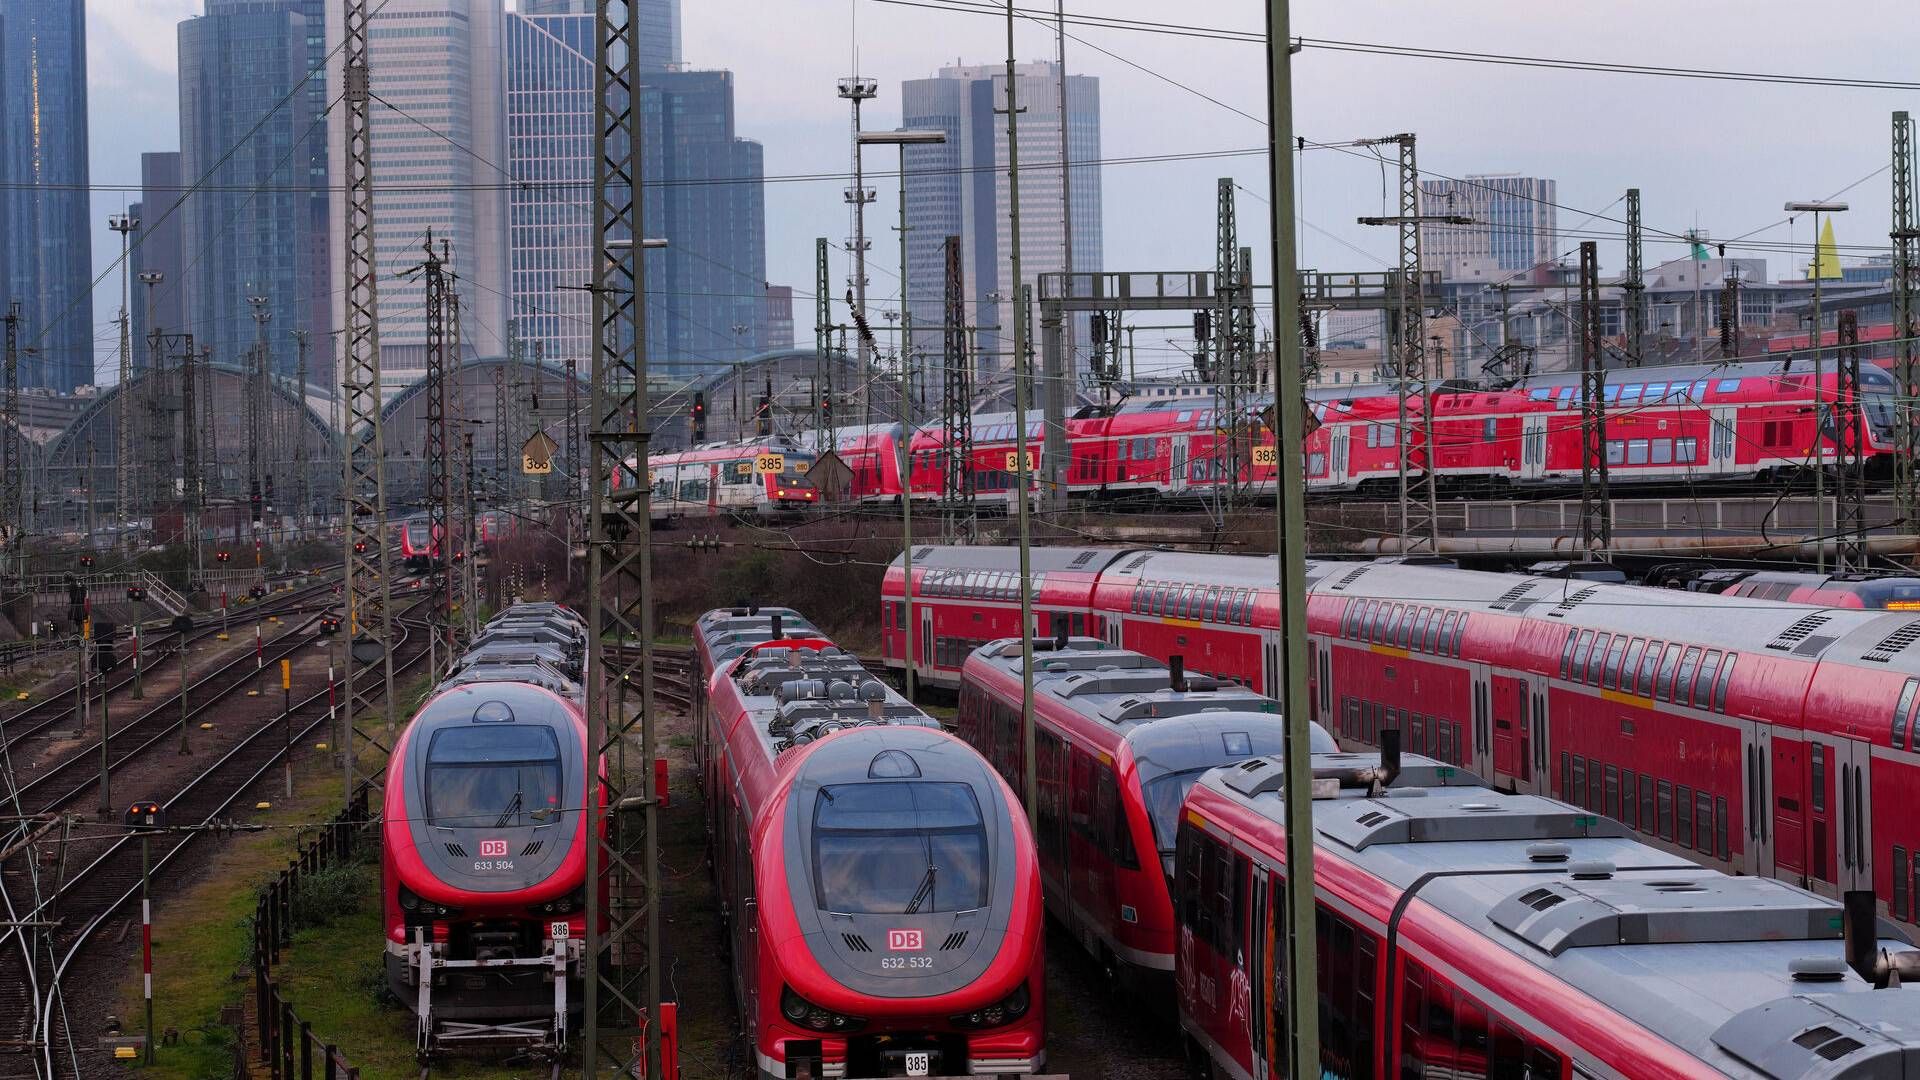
(1870, 374)
(533, 670)
(1745, 973)
(1042, 559)
(1131, 693)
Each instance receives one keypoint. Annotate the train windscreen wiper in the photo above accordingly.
(925, 891)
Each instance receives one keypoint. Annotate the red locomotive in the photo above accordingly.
(419, 547)
(483, 863)
(878, 879)
(1465, 932)
(1764, 737)
(1118, 740)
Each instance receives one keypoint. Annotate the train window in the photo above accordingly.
(1243, 606)
(492, 774)
(1566, 776)
(1703, 820)
(1631, 663)
(1663, 451)
(1612, 789)
(1703, 682)
(1452, 647)
(1629, 798)
(1900, 883)
(1580, 654)
(1396, 625)
(1647, 822)
(1611, 392)
(1636, 451)
(1683, 683)
(1212, 603)
(1438, 630)
(1540, 395)
(1595, 789)
(1818, 768)
(1382, 621)
(1577, 794)
(1630, 393)
(1610, 675)
(1727, 386)
(1685, 450)
(1663, 683)
(1407, 633)
(1596, 660)
(1900, 713)
(1566, 654)
(1153, 599)
(1490, 428)
(1446, 740)
(1664, 800)
(1683, 815)
(1649, 664)
(1138, 598)
(1654, 392)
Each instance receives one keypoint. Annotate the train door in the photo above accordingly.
(1481, 761)
(1853, 763)
(1721, 445)
(926, 638)
(1260, 933)
(1270, 665)
(1508, 756)
(1533, 447)
(1535, 776)
(1337, 457)
(1177, 467)
(1757, 758)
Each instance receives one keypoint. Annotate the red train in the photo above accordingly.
(1763, 737)
(419, 547)
(878, 880)
(1690, 423)
(1845, 590)
(1464, 932)
(1118, 740)
(483, 860)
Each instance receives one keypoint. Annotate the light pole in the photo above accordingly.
(124, 224)
(903, 139)
(1816, 339)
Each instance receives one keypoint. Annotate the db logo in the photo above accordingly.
(905, 941)
(493, 849)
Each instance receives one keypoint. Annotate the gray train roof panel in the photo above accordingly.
(1000, 557)
(1704, 959)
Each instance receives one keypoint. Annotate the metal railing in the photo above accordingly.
(288, 1045)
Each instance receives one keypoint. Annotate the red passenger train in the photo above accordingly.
(878, 879)
(1118, 740)
(1464, 932)
(1763, 737)
(483, 857)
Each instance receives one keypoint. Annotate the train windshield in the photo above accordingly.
(898, 848)
(1163, 795)
(492, 776)
(1879, 409)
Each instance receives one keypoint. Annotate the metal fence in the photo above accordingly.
(288, 1044)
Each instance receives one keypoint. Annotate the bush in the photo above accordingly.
(334, 892)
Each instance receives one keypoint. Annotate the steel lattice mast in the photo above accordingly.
(1635, 285)
(956, 402)
(1850, 477)
(439, 496)
(1596, 513)
(364, 490)
(823, 347)
(1906, 317)
(1227, 360)
(626, 987)
(303, 483)
(12, 521)
(192, 497)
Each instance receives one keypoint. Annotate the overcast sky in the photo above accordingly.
(1719, 156)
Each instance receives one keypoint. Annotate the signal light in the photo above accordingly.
(699, 416)
(359, 547)
(1202, 325)
(86, 562)
(222, 556)
(826, 406)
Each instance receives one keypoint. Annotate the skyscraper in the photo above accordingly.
(158, 250)
(704, 196)
(960, 189)
(439, 163)
(1513, 226)
(706, 290)
(659, 27)
(250, 231)
(46, 252)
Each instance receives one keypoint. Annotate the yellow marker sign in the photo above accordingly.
(286, 674)
(1266, 455)
(801, 467)
(1013, 462)
(743, 468)
(536, 455)
(765, 464)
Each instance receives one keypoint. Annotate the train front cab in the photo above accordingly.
(899, 928)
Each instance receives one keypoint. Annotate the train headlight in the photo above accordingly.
(567, 904)
(1005, 1011)
(808, 1015)
(415, 905)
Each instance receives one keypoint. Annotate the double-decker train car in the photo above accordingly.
(1883, 592)
(1464, 932)
(1760, 736)
(878, 879)
(980, 601)
(1118, 739)
(760, 480)
(483, 860)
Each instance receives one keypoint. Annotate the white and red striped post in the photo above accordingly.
(223, 609)
(146, 945)
(137, 693)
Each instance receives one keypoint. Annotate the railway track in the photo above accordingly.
(56, 930)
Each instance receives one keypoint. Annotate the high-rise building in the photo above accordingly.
(1513, 226)
(778, 332)
(550, 236)
(162, 224)
(439, 163)
(659, 27)
(250, 231)
(46, 249)
(960, 189)
(705, 302)
(706, 290)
